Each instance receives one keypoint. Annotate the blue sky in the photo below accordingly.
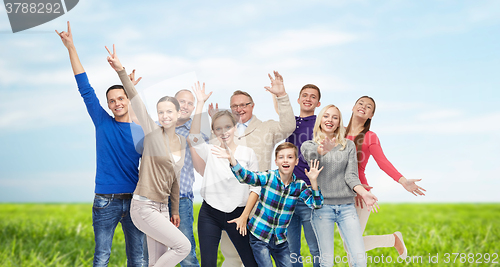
(432, 67)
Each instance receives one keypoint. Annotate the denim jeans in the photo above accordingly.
(262, 251)
(186, 227)
(323, 221)
(211, 223)
(302, 217)
(106, 214)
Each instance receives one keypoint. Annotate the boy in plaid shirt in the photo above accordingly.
(279, 194)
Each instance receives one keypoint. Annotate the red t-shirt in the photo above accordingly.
(371, 146)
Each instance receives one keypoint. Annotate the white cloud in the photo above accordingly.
(439, 115)
(445, 125)
(292, 41)
(35, 110)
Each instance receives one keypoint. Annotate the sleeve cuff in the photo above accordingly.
(199, 138)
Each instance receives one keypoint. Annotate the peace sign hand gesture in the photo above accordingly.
(113, 60)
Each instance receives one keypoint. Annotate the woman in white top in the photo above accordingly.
(226, 204)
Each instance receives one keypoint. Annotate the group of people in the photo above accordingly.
(319, 180)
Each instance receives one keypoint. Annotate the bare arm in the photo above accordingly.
(411, 186)
(67, 39)
(369, 198)
(201, 98)
(241, 222)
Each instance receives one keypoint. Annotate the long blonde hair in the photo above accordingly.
(319, 136)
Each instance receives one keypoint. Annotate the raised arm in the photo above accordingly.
(286, 124)
(140, 110)
(275, 103)
(67, 39)
(277, 87)
(131, 112)
(201, 98)
(94, 108)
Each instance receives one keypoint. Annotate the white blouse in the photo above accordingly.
(220, 189)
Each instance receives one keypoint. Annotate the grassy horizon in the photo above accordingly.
(62, 235)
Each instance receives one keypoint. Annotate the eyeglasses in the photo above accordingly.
(241, 106)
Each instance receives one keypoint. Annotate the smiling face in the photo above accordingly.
(308, 100)
(186, 101)
(286, 160)
(224, 128)
(330, 121)
(167, 114)
(118, 103)
(364, 108)
(240, 109)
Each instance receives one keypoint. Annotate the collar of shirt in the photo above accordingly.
(312, 117)
(186, 125)
(245, 123)
(242, 126)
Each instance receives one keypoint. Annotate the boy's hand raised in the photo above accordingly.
(313, 173)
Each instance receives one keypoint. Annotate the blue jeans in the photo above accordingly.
(106, 214)
(302, 217)
(186, 227)
(263, 251)
(323, 221)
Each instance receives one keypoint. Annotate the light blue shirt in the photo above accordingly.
(242, 127)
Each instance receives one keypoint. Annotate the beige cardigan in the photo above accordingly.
(263, 136)
(158, 174)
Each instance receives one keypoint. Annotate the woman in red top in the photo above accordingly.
(367, 144)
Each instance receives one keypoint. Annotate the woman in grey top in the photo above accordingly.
(339, 183)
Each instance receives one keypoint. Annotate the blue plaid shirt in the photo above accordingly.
(276, 203)
(187, 172)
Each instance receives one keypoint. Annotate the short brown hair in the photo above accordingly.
(239, 92)
(117, 86)
(286, 145)
(170, 99)
(312, 86)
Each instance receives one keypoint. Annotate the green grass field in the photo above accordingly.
(61, 235)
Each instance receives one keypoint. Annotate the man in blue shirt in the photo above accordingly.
(118, 150)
